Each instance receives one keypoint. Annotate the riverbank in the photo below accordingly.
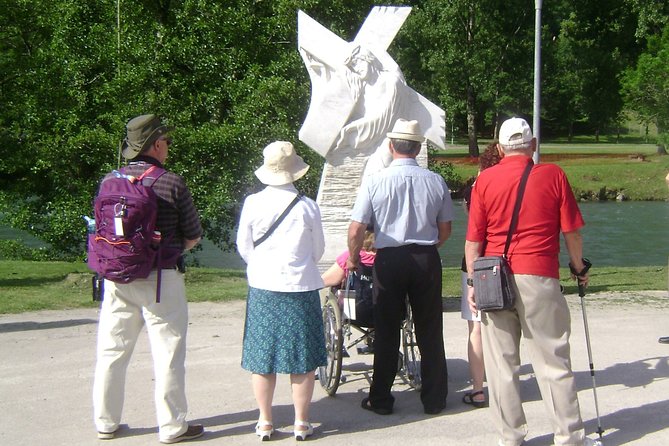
(596, 172)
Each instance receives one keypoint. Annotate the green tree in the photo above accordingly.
(652, 16)
(473, 56)
(586, 49)
(52, 67)
(646, 86)
(563, 85)
(226, 74)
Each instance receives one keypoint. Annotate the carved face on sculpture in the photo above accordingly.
(363, 63)
(361, 67)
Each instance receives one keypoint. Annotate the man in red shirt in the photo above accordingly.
(541, 313)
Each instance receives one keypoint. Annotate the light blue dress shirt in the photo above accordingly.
(405, 202)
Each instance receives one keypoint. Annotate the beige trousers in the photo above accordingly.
(543, 319)
(125, 310)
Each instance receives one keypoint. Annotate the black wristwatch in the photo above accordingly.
(470, 281)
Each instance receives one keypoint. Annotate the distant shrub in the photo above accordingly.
(17, 250)
(447, 172)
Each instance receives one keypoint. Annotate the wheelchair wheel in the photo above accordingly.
(410, 354)
(329, 375)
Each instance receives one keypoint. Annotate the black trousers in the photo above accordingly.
(413, 271)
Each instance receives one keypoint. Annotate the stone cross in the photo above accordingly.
(357, 93)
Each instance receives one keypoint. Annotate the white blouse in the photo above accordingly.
(288, 260)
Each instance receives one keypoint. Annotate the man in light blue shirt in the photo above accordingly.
(411, 210)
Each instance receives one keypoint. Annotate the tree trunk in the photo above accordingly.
(495, 126)
(471, 123)
(646, 136)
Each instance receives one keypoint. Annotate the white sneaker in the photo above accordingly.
(590, 442)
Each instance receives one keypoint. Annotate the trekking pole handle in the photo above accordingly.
(587, 264)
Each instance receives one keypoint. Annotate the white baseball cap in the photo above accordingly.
(515, 131)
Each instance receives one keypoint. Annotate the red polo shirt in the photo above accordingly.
(548, 208)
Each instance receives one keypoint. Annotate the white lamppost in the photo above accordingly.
(536, 124)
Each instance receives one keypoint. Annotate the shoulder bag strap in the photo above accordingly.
(278, 220)
(516, 208)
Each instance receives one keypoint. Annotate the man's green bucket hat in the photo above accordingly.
(141, 132)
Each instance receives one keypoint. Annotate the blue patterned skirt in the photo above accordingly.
(283, 332)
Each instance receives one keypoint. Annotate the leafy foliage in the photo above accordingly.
(447, 171)
(228, 76)
(646, 87)
(16, 250)
(463, 61)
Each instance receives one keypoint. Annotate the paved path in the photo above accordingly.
(48, 359)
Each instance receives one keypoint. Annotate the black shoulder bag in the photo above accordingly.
(278, 220)
(493, 287)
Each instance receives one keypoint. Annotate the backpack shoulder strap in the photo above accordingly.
(157, 171)
(146, 175)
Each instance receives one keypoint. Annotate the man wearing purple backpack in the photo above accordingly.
(126, 307)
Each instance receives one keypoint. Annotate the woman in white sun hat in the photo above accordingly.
(284, 329)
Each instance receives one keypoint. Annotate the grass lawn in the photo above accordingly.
(593, 169)
(32, 286)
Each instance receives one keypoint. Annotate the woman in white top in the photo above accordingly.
(284, 328)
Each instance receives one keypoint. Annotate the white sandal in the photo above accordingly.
(264, 434)
(301, 435)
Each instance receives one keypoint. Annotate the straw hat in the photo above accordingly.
(141, 132)
(409, 130)
(281, 165)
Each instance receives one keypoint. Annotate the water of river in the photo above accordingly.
(616, 234)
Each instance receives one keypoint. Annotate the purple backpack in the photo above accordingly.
(122, 248)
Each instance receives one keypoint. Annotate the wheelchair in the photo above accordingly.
(345, 327)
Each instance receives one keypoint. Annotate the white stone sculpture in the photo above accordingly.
(357, 93)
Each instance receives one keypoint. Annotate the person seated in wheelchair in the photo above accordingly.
(360, 283)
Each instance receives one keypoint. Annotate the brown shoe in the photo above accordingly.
(193, 431)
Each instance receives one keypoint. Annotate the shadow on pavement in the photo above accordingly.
(30, 325)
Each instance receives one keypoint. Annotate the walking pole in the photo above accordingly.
(581, 293)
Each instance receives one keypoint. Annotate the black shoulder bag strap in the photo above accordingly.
(516, 208)
(278, 220)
